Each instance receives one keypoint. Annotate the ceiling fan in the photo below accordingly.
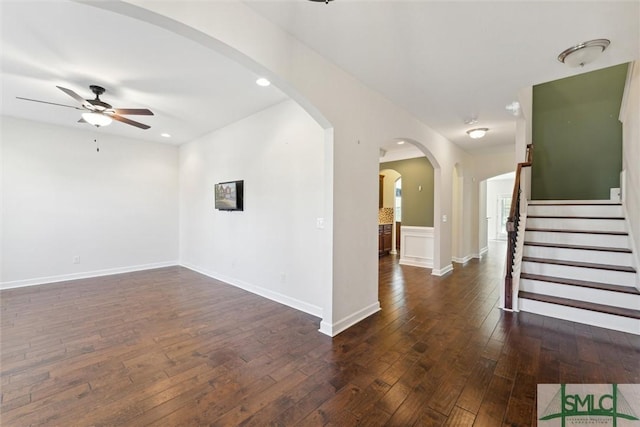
(97, 112)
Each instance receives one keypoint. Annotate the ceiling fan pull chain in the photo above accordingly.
(97, 144)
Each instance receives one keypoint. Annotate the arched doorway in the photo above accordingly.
(409, 202)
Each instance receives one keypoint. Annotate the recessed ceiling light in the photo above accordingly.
(477, 132)
(263, 82)
(400, 142)
(165, 135)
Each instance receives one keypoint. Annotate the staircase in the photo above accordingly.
(577, 265)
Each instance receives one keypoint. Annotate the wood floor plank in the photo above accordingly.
(170, 347)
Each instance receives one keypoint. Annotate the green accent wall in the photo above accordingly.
(577, 137)
(417, 206)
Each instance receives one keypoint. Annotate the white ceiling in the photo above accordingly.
(444, 61)
(191, 89)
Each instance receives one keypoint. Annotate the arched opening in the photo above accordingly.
(409, 201)
(495, 210)
(388, 215)
(283, 184)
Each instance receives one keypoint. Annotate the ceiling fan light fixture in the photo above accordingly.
(477, 133)
(97, 119)
(583, 53)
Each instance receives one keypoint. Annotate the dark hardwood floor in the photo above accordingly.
(170, 347)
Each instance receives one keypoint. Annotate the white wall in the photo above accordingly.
(630, 117)
(116, 209)
(357, 122)
(482, 166)
(273, 247)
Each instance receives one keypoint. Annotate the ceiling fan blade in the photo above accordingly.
(129, 122)
(72, 94)
(134, 111)
(51, 103)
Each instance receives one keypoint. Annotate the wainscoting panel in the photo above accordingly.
(416, 248)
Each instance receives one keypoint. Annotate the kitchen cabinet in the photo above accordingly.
(384, 239)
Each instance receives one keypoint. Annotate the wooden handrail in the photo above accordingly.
(512, 229)
(516, 185)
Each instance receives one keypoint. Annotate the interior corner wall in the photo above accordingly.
(273, 247)
(577, 136)
(417, 190)
(631, 155)
(116, 210)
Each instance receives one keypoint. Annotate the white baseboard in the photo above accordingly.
(482, 253)
(311, 309)
(84, 275)
(462, 260)
(334, 329)
(416, 262)
(442, 271)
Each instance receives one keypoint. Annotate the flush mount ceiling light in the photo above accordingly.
(400, 142)
(513, 108)
(263, 82)
(583, 53)
(321, 1)
(477, 132)
(97, 119)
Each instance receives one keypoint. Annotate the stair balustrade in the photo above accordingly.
(518, 205)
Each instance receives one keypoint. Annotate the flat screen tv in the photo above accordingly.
(229, 196)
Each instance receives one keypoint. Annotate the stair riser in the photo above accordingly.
(580, 255)
(580, 224)
(580, 273)
(588, 317)
(576, 210)
(583, 239)
(616, 299)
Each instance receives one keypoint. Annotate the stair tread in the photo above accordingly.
(580, 247)
(564, 230)
(623, 268)
(608, 309)
(582, 283)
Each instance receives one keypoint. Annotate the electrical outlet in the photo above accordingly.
(76, 259)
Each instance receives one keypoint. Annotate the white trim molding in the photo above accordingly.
(311, 309)
(84, 275)
(442, 271)
(416, 247)
(482, 253)
(334, 329)
(462, 260)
